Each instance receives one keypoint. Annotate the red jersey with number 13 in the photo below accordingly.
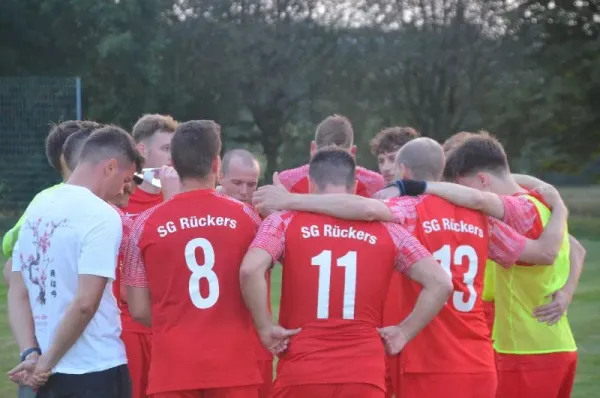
(188, 251)
(334, 283)
(457, 340)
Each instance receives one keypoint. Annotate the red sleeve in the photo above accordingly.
(404, 211)
(289, 178)
(372, 181)
(134, 269)
(505, 245)
(520, 213)
(271, 235)
(408, 249)
(127, 225)
(254, 216)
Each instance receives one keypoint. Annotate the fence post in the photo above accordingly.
(78, 96)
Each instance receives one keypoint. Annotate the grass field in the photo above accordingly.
(584, 312)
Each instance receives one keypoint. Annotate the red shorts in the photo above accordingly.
(448, 385)
(350, 390)
(539, 376)
(391, 376)
(137, 347)
(266, 371)
(231, 392)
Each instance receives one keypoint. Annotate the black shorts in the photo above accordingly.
(110, 383)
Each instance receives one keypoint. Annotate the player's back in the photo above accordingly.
(335, 278)
(368, 182)
(457, 340)
(193, 246)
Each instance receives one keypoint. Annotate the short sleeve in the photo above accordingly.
(16, 253)
(126, 224)
(408, 249)
(372, 181)
(271, 236)
(134, 268)
(505, 244)
(404, 211)
(253, 215)
(100, 245)
(520, 213)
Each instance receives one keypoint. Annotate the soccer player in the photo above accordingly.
(65, 259)
(181, 270)
(328, 263)
(385, 147)
(153, 134)
(54, 146)
(453, 355)
(336, 131)
(239, 175)
(534, 359)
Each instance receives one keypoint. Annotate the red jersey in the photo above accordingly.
(296, 180)
(139, 202)
(188, 251)
(457, 340)
(127, 225)
(335, 276)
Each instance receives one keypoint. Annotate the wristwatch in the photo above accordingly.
(29, 351)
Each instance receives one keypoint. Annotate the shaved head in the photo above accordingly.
(241, 155)
(424, 158)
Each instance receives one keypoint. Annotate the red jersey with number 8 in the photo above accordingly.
(334, 283)
(188, 252)
(457, 340)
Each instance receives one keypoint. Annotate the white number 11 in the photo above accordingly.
(323, 261)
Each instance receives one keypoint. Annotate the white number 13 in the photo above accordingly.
(200, 271)
(444, 256)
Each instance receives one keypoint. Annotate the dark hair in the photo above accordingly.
(148, 125)
(111, 142)
(73, 145)
(391, 139)
(56, 139)
(332, 166)
(335, 130)
(477, 152)
(195, 145)
(246, 156)
(455, 141)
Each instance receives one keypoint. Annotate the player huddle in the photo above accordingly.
(420, 288)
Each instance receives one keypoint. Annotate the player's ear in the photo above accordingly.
(353, 150)
(143, 149)
(216, 166)
(483, 179)
(111, 166)
(313, 148)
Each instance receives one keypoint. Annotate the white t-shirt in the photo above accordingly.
(72, 232)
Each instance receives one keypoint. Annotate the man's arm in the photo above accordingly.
(96, 265)
(7, 271)
(20, 317)
(134, 276)
(561, 299)
(528, 182)
(437, 287)
(78, 315)
(486, 202)
(345, 206)
(254, 285)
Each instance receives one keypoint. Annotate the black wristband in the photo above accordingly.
(411, 187)
(30, 351)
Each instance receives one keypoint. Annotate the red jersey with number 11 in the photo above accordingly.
(188, 251)
(334, 283)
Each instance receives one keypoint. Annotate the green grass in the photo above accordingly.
(584, 315)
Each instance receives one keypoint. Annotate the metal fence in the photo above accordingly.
(28, 108)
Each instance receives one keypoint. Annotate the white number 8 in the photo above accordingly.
(202, 271)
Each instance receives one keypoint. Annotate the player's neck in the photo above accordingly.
(506, 186)
(85, 176)
(192, 184)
